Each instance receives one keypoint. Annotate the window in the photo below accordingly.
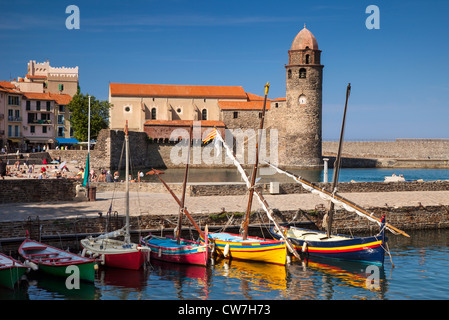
(289, 73)
(236, 114)
(153, 114)
(307, 59)
(38, 105)
(276, 105)
(28, 107)
(13, 100)
(16, 131)
(61, 108)
(48, 105)
(179, 110)
(44, 129)
(302, 99)
(71, 132)
(32, 129)
(60, 131)
(60, 119)
(17, 115)
(61, 87)
(260, 115)
(302, 73)
(204, 114)
(9, 131)
(127, 108)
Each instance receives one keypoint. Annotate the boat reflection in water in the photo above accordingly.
(333, 275)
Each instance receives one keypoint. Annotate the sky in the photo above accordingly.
(398, 72)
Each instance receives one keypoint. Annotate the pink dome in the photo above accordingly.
(304, 39)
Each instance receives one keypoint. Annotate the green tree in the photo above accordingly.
(99, 115)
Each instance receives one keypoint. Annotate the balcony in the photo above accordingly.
(43, 122)
(14, 119)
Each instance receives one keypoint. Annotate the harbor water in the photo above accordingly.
(417, 270)
(314, 175)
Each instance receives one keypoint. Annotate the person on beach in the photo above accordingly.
(2, 169)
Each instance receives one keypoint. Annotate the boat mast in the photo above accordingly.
(127, 235)
(253, 177)
(182, 205)
(330, 213)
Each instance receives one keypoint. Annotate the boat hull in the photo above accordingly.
(56, 261)
(85, 271)
(11, 271)
(167, 249)
(363, 249)
(115, 253)
(232, 246)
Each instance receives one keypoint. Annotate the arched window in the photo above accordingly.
(204, 114)
(302, 99)
(289, 73)
(153, 114)
(307, 59)
(302, 73)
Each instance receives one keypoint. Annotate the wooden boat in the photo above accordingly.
(169, 250)
(11, 271)
(243, 247)
(329, 245)
(113, 252)
(317, 243)
(178, 250)
(55, 261)
(233, 246)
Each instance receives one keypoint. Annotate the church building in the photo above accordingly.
(159, 109)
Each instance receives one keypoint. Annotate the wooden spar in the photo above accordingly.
(186, 212)
(253, 177)
(182, 205)
(127, 234)
(330, 214)
(340, 198)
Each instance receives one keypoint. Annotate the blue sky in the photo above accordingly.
(398, 73)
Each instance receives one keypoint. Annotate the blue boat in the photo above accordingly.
(337, 246)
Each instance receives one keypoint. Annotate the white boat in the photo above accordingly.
(117, 253)
(394, 178)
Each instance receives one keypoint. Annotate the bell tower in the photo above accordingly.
(299, 121)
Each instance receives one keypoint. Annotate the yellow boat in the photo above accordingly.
(232, 246)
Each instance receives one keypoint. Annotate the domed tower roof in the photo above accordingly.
(304, 39)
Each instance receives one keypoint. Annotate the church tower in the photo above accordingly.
(299, 118)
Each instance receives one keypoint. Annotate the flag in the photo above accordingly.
(210, 136)
(86, 172)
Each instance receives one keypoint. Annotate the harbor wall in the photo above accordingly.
(405, 218)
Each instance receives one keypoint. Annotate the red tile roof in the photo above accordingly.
(243, 105)
(6, 86)
(159, 90)
(62, 99)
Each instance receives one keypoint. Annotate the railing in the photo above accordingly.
(15, 119)
(39, 122)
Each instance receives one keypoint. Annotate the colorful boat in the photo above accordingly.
(232, 246)
(168, 249)
(56, 261)
(11, 271)
(317, 243)
(113, 252)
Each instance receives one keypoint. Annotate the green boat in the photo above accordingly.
(58, 262)
(11, 271)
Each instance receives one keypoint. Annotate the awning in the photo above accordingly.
(39, 140)
(66, 141)
(15, 140)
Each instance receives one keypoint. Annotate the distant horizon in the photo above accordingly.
(398, 72)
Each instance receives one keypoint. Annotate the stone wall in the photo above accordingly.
(406, 218)
(427, 149)
(37, 190)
